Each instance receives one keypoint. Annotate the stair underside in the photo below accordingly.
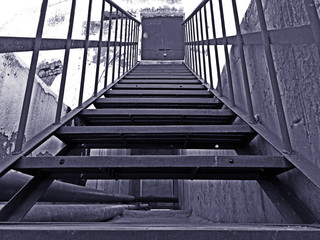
(155, 167)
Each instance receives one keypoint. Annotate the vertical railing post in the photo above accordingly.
(30, 81)
(136, 44)
(203, 52)
(99, 50)
(133, 46)
(129, 37)
(208, 44)
(120, 52)
(130, 44)
(273, 79)
(127, 57)
(225, 45)
(85, 56)
(187, 33)
(108, 49)
(198, 44)
(115, 47)
(219, 88)
(194, 46)
(185, 43)
(314, 21)
(125, 46)
(65, 63)
(189, 45)
(243, 64)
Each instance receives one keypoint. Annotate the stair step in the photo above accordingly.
(191, 136)
(164, 231)
(156, 66)
(135, 76)
(159, 86)
(156, 167)
(156, 116)
(159, 81)
(156, 102)
(159, 73)
(157, 93)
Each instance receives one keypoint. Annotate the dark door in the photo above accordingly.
(162, 38)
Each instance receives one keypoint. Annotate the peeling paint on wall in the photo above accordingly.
(13, 77)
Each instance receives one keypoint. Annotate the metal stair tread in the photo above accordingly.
(160, 167)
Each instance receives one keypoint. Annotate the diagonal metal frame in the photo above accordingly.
(44, 135)
(310, 170)
(20, 204)
(288, 205)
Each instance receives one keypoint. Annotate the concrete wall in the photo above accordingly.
(13, 77)
(298, 76)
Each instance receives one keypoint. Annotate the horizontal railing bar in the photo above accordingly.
(195, 11)
(295, 35)
(123, 11)
(45, 134)
(21, 44)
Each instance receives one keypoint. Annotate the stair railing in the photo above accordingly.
(126, 34)
(198, 58)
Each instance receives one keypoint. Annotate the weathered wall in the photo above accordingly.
(298, 76)
(226, 201)
(13, 78)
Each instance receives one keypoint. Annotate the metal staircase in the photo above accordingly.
(152, 106)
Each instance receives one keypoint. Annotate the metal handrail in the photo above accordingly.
(307, 34)
(37, 44)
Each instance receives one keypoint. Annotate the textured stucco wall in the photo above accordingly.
(298, 76)
(226, 201)
(13, 78)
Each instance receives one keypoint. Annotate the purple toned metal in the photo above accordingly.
(32, 72)
(137, 44)
(65, 63)
(115, 47)
(108, 48)
(128, 46)
(208, 45)
(195, 11)
(226, 52)
(194, 47)
(189, 47)
(120, 47)
(19, 205)
(132, 44)
(243, 63)
(125, 47)
(203, 51)
(44, 135)
(216, 54)
(185, 45)
(99, 50)
(122, 10)
(85, 55)
(198, 44)
(273, 80)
